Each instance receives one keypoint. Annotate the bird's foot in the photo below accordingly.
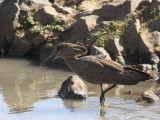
(102, 100)
(102, 103)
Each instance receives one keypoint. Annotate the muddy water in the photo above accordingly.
(29, 92)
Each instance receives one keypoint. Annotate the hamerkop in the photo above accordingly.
(96, 70)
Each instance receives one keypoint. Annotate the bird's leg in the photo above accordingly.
(102, 98)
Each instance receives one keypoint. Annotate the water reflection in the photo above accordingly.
(74, 105)
(22, 88)
(103, 112)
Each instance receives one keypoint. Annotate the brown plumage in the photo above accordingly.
(96, 70)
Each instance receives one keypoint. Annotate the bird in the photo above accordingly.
(97, 70)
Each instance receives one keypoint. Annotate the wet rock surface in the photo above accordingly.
(74, 88)
(148, 97)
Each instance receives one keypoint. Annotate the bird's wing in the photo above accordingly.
(124, 74)
(137, 74)
(102, 70)
(110, 64)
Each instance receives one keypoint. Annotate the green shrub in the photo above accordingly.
(115, 30)
(145, 15)
(35, 26)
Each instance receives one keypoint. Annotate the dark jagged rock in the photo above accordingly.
(148, 97)
(73, 87)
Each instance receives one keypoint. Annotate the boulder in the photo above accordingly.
(132, 37)
(149, 41)
(27, 39)
(80, 29)
(148, 97)
(73, 87)
(46, 12)
(29, 8)
(9, 12)
(115, 48)
(19, 48)
(98, 51)
(119, 10)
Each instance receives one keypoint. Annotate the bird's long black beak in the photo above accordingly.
(51, 56)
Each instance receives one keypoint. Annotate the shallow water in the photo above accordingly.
(29, 92)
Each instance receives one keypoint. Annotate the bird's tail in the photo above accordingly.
(142, 75)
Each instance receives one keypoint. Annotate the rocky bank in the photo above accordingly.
(128, 31)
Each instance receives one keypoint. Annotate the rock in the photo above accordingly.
(29, 8)
(148, 97)
(27, 39)
(72, 2)
(73, 87)
(12, 13)
(59, 2)
(154, 26)
(115, 48)
(120, 59)
(144, 3)
(9, 12)
(91, 21)
(46, 12)
(80, 29)
(94, 50)
(63, 10)
(20, 48)
(155, 4)
(133, 42)
(119, 10)
(148, 42)
(130, 92)
(88, 5)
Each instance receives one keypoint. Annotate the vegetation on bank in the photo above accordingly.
(145, 15)
(117, 29)
(35, 26)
